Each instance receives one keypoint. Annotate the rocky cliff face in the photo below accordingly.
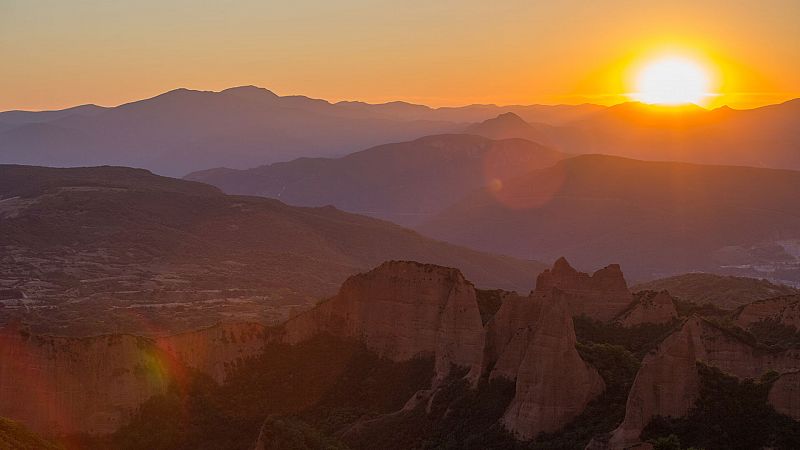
(600, 296)
(784, 395)
(401, 310)
(668, 382)
(404, 309)
(784, 310)
(649, 307)
(59, 385)
(215, 350)
(532, 341)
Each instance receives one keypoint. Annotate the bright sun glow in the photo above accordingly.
(672, 81)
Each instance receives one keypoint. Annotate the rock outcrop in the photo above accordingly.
(784, 310)
(532, 341)
(649, 307)
(216, 349)
(722, 291)
(61, 385)
(668, 382)
(405, 309)
(784, 395)
(401, 310)
(600, 296)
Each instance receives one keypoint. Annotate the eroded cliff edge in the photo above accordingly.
(403, 309)
(668, 382)
(61, 385)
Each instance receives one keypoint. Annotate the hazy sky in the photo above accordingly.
(58, 53)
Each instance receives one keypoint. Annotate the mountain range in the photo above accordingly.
(184, 130)
(405, 182)
(762, 137)
(352, 275)
(658, 218)
(511, 196)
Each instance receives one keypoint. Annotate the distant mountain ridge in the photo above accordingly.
(406, 182)
(509, 125)
(184, 130)
(657, 218)
(762, 137)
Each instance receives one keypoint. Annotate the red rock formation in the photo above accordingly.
(601, 295)
(401, 310)
(532, 341)
(404, 309)
(668, 382)
(60, 385)
(214, 350)
(784, 395)
(649, 307)
(784, 310)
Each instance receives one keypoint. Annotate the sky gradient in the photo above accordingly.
(63, 53)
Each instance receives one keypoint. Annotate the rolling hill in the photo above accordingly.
(105, 249)
(406, 182)
(655, 218)
(726, 292)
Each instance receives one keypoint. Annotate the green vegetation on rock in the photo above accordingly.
(637, 339)
(729, 414)
(310, 389)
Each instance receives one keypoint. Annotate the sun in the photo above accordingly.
(672, 81)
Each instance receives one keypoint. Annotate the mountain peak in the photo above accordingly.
(602, 295)
(506, 119)
(248, 90)
(509, 116)
(562, 266)
(504, 126)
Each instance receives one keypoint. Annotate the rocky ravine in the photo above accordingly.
(405, 309)
(61, 385)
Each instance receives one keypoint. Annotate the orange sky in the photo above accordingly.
(59, 53)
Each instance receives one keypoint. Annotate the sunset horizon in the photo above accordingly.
(399, 225)
(623, 99)
(472, 54)
(628, 98)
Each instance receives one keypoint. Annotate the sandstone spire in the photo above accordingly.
(600, 296)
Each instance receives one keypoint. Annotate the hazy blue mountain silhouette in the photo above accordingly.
(406, 182)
